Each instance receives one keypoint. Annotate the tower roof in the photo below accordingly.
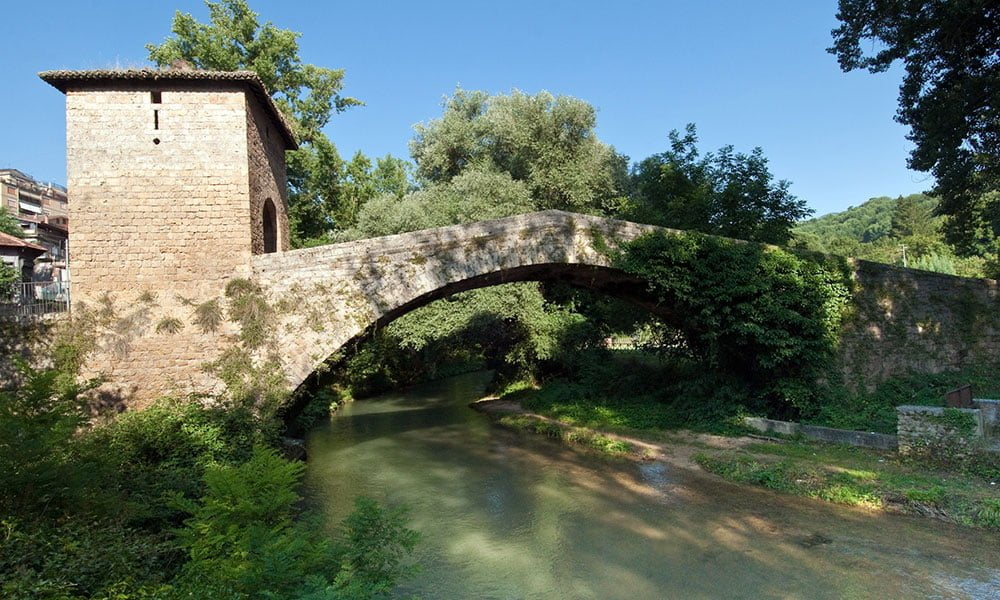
(94, 79)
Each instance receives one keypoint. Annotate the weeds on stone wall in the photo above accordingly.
(249, 309)
(169, 325)
(208, 316)
(250, 367)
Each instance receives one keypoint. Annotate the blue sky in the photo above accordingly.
(747, 73)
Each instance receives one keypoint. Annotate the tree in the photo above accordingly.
(948, 98)
(546, 142)
(9, 224)
(912, 217)
(324, 190)
(724, 193)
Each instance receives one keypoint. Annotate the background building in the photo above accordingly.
(43, 212)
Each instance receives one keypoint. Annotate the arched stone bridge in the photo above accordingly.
(342, 289)
(902, 319)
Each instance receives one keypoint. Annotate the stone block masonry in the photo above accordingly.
(168, 173)
(952, 433)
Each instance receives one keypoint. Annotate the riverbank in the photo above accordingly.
(863, 478)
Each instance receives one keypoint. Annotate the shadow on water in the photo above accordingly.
(505, 515)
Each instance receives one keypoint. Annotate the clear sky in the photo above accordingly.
(747, 73)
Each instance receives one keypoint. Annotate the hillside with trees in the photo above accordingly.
(905, 231)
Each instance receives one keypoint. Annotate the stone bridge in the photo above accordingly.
(332, 294)
(321, 298)
(901, 319)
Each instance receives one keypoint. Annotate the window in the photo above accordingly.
(270, 227)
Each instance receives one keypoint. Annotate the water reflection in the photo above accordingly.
(510, 516)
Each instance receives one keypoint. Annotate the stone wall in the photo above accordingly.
(950, 433)
(904, 320)
(266, 154)
(861, 439)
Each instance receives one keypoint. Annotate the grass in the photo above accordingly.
(575, 404)
(600, 443)
(860, 477)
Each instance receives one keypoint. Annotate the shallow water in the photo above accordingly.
(508, 515)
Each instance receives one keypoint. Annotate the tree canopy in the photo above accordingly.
(724, 193)
(546, 142)
(948, 97)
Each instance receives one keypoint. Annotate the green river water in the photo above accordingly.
(508, 515)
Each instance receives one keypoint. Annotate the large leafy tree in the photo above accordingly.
(324, 188)
(724, 193)
(951, 52)
(543, 141)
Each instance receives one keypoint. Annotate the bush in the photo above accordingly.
(40, 470)
(165, 449)
(761, 315)
(244, 541)
(80, 558)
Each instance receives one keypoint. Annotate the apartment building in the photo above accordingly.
(43, 212)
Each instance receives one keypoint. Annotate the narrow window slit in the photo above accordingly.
(156, 119)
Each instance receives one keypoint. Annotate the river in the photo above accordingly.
(506, 515)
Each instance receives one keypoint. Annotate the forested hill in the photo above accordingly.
(863, 224)
(888, 230)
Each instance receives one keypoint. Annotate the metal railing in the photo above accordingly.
(33, 298)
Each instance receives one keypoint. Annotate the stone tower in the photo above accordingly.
(176, 178)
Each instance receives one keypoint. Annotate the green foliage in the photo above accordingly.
(165, 448)
(762, 315)
(856, 476)
(875, 410)
(249, 308)
(9, 223)
(901, 231)
(170, 325)
(511, 329)
(471, 196)
(234, 40)
(208, 316)
(545, 142)
(375, 546)
(947, 97)
(963, 423)
(9, 276)
(79, 558)
(90, 512)
(723, 193)
(244, 541)
(988, 513)
(257, 384)
(41, 471)
(602, 444)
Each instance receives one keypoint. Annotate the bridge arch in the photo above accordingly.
(334, 294)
